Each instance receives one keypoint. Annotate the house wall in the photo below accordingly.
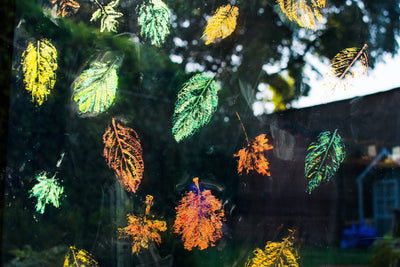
(361, 122)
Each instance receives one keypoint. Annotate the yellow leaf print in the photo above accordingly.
(276, 254)
(303, 12)
(221, 24)
(79, 258)
(39, 65)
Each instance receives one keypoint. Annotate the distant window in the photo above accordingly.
(385, 198)
(396, 153)
(372, 151)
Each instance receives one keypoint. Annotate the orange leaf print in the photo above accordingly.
(199, 218)
(66, 7)
(143, 230)
(123, 154)
(252, 157)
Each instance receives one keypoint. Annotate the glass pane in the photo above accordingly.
(200, 133)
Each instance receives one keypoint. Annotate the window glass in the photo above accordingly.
(201, 133)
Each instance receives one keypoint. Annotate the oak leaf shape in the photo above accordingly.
(323, 159)
(199, 218)
(39, 65)
(96, 87)
(123, 153)
(47, 190)
(342, 63)
(252, 157)
(79, 258)
(66, 7)
(276, 254)
(155, 21)
(108, 16)
(196, 103)
(301, 11)
(143, 230)
(221, 24)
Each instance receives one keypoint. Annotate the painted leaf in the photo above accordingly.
(79, 258)
(252, 157)
(323, 159)
(123, 154)
(199, 218)
(195, 105)
(108, 16)
(66, 7)
(95, 89)
(39, 65)
(47, 191)
(155, 21)
(143, 230)
(301, 11)
(342, 64)
(221, 24)
(276, 254)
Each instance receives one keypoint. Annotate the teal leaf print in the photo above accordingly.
(155, 20)
(323, 159)
(195, 105)
(47, 191)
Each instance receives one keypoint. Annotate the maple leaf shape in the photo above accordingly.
(47, 190)
(96, 87)
(199, 218)
(221, 24)
(252, 157)
(143, 230)
(155, 20)
(108, 16)
(276, 254)
(66, 7)
(323, 159)
(123, 154)
(195, 104)
(39, 65)
(343, 62)
(306, 15)
(79, 258)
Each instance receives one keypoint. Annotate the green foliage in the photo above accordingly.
(312, 256)
(386, 252)
(108, 16)
(155, 20)
(27, 257)
(195, 105)
(323, 159)
(47, 190)
(95, 89)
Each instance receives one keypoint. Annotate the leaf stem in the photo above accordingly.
(285, 242)
(327, 150)
(202, 91)
(149, 203)
(119, 142)
(101, 7)
(196, 182)
(60, 160)
(37, 63)
(73, 254)
(244, 130)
